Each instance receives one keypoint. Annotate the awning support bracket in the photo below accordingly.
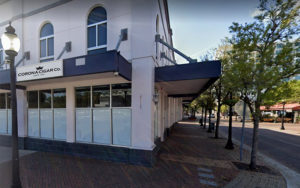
(190, 60)
(67, 48)
(163, 55)
(123, 37)
(26, 56)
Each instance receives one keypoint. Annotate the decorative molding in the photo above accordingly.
(31, 13)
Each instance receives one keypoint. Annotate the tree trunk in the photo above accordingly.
(209, 121)
(193, 113)
(256, 116)
(205, 118)
(202, 116)
(229, 144)
(218, 117)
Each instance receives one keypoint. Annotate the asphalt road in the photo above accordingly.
(284, 148)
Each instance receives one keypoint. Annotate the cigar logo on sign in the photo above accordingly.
(36, 72)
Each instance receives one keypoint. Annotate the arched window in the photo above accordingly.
(97, 31)
(47, 43)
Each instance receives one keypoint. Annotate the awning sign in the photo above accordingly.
(40, 71)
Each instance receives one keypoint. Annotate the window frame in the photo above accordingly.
(46, 38)
(39, 108)
(97, 47)
(110, 107)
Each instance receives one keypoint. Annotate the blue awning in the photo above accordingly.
(187, 80)
(107, 62)
(110, 61)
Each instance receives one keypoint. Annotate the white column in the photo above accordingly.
(166, 111)
(160, 112)
(174, 111)
(70, 93)
(22, 113)
(170, 112)
(181, 109)
(142, 104)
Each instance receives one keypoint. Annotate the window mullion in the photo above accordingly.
(102, 22)
(47, 47)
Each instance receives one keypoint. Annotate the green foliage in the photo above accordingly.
(287, 91)
(224, 109)
(206, 100)
(255, 67)
(295, 91)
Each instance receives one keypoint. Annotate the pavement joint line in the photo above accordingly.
(206, 182)
(210, 176)
(291, 176)
(204, 169)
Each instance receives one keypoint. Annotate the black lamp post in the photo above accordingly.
(11, 46)
(282, 118)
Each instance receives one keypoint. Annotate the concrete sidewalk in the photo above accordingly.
(189, 158)
(5, 165)
(276, 147)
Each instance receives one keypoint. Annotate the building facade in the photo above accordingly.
(91, 80)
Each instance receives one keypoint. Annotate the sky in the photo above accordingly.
(200, 25)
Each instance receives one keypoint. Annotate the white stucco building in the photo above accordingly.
(78, 94)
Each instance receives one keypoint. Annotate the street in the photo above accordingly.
(281, 145)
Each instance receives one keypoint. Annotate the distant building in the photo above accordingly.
(291, 111)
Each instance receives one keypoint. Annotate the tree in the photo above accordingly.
(288, 91)
(256, 69)
(203, 102)
(224, 110)
(220, 87)
(194, 106)
(230, 100)
(210, 104)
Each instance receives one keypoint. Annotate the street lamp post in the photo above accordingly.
(11, 46)
(282, 118)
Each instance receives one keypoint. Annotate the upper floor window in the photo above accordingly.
(97, 31)
(47, 43)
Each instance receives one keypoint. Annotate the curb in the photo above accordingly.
(291, 177)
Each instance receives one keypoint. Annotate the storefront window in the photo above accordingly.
(83, 97)
(45, 99)
(101, 96)
(99, 123)
(8, 100)
(59, 98)
(44, 119)
(33, 99)
(2, 101)
(121, 95)
(5, 113)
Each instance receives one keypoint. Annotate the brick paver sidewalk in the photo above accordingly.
(189, 158)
